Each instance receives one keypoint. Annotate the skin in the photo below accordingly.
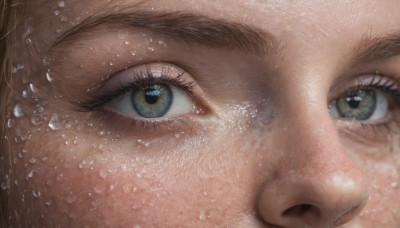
(263, 152)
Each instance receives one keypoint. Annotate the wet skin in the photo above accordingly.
(259, 145)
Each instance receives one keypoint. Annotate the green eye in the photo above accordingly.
(152, 101)
(363, 104)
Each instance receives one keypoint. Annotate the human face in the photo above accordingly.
(271, 114)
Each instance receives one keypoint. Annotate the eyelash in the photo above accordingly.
(141, 80)
(388, 87)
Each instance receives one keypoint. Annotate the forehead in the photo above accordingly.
(294, 23)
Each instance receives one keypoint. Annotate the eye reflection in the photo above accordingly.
(366, 104)
(152, 101)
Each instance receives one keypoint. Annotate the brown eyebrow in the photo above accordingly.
(183, 27)
(375, 47)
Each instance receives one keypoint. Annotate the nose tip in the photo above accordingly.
(312, 206)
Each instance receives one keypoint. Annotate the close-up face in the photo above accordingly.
(200, 113)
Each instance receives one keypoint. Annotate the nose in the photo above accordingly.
(316, 183)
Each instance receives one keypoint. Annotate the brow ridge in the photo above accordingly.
(376, 47)
(183, 27)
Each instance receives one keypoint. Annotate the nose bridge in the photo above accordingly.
(317, 183)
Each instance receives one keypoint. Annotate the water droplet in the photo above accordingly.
(61, 4)
(4, 185)
(18, 111)
(133, 53)
(151, 48)
(25, 94)
(32, 160)
(126, 42)
(136, 226)
(126, 188)
(37, 120)
(394, 184)
(48, 203)
(17, 68)
(56, 12)
(32, 87)
(31, 174)
(101, 133)
(10, 123)
(111, 188)
(202, 215)
(111, 63)
(36, 194)
(70, 199)
(103, 173)
(55, 123)
(49, 77)
(99, 189)
(135, 189)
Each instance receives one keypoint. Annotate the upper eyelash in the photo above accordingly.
(141, 80)
(381, 83)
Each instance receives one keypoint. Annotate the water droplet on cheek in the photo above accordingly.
(61, 4)
(56, 12)
(55, 123)
(10, 123)
(49, 77)
(18, 111)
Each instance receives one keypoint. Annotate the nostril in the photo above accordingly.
(300, 210)
(348, 215)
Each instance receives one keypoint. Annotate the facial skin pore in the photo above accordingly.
(259, 148)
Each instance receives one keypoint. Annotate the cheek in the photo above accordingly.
(62, 180)
(383, 206)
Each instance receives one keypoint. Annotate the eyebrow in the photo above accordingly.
(183, 27)
(376, 47)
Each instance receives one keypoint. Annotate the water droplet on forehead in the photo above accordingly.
(56, 12)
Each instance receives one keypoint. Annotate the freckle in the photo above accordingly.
(103, 173)
(70, 199)
(99, 189)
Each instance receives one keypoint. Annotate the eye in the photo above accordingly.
(152, 101)
(362, 104)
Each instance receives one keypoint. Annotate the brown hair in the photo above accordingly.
(8, 20)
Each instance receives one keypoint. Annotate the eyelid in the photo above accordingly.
(362, 82)
(138, 77)
(132, 75)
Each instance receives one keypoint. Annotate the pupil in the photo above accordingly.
(152, 96)
(354, 103)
